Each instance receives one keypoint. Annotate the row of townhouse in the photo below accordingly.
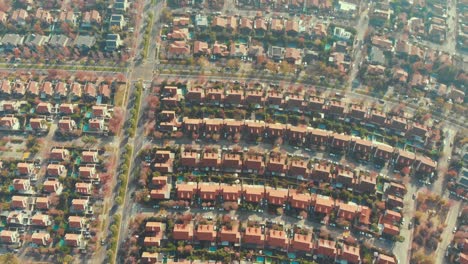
(88, 157)
(258, 194)
(298, 103)
(254, 237)
(312, 203)
(362, 148)
(65, 125)
(53, 90)
(88, 18)
(57, 43)
(257, 163)
(245, 25)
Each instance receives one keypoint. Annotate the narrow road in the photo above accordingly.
(447, 235)
(361, 29)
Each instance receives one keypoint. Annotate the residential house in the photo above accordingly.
(80, 205)
(76, 91)
(186, 191)
(350, 254)
(73, 240)
(66, 109)
(83, 188)
(277, 25)
(300, 201)
(362, 148)
(277, 239)
(232, 126)
(299, 168)
(67, 16)
(44, 16)
(38, 123)
(275, 130)
(405, 158)
(52, 186)
(336, 108)
(425, 165)
(234, 97)
(88, 172)
(246, 25)
(277, 165)
(302, 243)
(76, 222)
(385, 259)
(66, 125)
(220, 50)
(10, 42)
(121, 6)
(366, 184)
(41, 238)
(358, 112)
(195, 95)
(84, 43)
(90, 91)
(321, 173)
(232, 162)
(209, 191)
(150, 258)
(183, 232)
(58, 41)
(189, 159)
(47, 90)
(340, 141)
(231, 23)
(254, 97)
(32, 88)
(41, 220)
(25, 168)
(19, 17)
(117, 21)
(9, 237)
(22, 185)
(9, 123)
(17, 217)
(254, 163)
(277, 197)
(90, 18)
(56, 170)
(178, 50)
(34, 41)
(345, 178)
(206, 233)
(324, 204)
(260, 26)
(113, 42)
(214, 97)
(201, 48)
(229, 234)
(231, 193)
(253, 194)
(292, 27)
(326, 249)
(253, 236)
(60, 154)
(378, 118)
(19, 202)
(383, 151)
(42, 203)
(61, 90)
(347, 211)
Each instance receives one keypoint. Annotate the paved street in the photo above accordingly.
(361, 30)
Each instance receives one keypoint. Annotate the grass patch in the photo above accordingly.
(120, 94)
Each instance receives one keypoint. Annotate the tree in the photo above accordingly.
(279, 211)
